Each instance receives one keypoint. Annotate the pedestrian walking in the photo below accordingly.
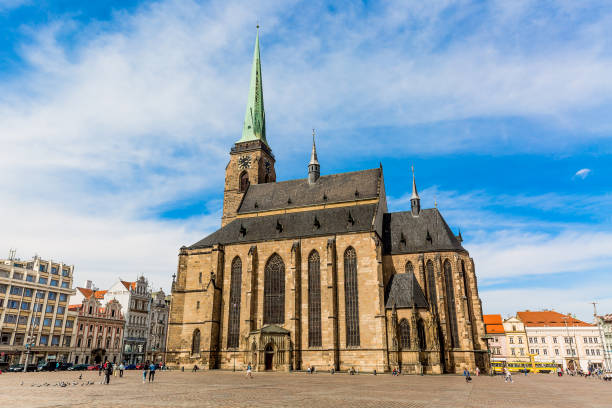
(121, 368)
(100, 368)
(477, 372)
(249, 374)
(152, 372)
(145, 368)
(115, 369)
(108, 372)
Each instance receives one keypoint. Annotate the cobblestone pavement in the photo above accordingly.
(227, 389)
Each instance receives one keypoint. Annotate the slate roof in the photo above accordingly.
(403, 233)
(293, 225)
(332, 188)
(404, 291)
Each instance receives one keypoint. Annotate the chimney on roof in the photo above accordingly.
(88, 285)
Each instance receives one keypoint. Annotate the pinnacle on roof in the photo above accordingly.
(254, 127)
(415, 194)
(313, 155)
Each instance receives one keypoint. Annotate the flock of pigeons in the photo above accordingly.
(64, 383)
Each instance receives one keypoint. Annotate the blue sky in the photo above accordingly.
(117, 118)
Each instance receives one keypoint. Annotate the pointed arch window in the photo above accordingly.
(432, 296)
(351, 297)
(244, 181)
(409, 267)
(421, 334)
(450, 304)
(404, 334)
(233, 330)
(467, 290)
(274, 291)
(314, 300)
(195, 342)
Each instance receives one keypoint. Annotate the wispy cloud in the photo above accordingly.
(582, 173)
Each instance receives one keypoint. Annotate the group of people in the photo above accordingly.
(109, 369)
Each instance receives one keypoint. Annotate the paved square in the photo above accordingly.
(227, 389)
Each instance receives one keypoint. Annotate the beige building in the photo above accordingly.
(34, 318)
(516, 340)
(317, 272)
(99, 333)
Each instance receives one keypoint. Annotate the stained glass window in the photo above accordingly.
(431, 287)
(233, 332)
(351, 297)
(274, 291)
(314, 300)
(404, 334)
(450, 304)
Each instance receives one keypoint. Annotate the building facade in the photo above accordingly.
(516, 340)
(494, 328)
(158, 327)
(317, 272)
(135, 299)
(563, 339)
(604, 323)
(34, 319)
(99, 333)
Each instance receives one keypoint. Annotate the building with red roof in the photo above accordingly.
(563, 339)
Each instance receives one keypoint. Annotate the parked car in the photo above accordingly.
(93, 367)
(140, 366)
(78, 367)
(15, 368)
(48, 366)
(64, 366)
(130, 367)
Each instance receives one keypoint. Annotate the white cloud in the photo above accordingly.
(140, 112)
(576, 300)
(582, 173)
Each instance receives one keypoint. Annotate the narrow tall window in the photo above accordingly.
(195, 342)
(467, 289)
(274, 291)
(314, 300)
(404, 334)
(451, 310)
(244, 181)
(409, 267)
(431, 287)
(351, 297)
(233, 331)
(421, 333)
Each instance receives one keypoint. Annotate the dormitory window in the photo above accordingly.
(198, 304)
(200, 278)
(450, 304)
(274, 291)
(351, 297)
(233, 331)
(404, 334)
(314, 300)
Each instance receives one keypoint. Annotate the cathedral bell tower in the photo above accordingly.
(251, 159)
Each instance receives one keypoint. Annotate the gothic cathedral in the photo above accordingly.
(316, 272)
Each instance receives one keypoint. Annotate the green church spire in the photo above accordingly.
(255, 118)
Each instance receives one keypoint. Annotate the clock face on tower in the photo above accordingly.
(244, 162)
(268, 166)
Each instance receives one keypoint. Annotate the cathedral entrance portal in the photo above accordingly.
(269, 357)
